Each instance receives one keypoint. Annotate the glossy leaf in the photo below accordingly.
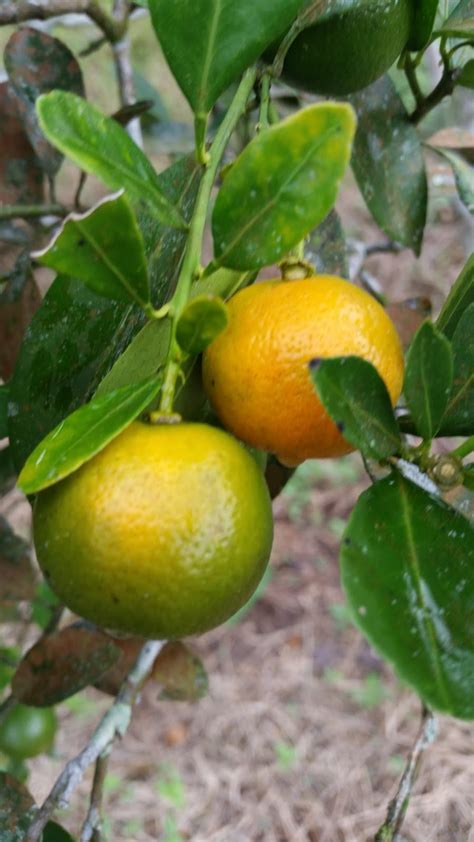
(181, 673)
(104, 249)
(424, 19)
(37, 63)
(388, 164)
(357, 400)
(61, 664)
(428, 379)
(209, 43)
(100, 146)
(283, 184)
(407, 564)
(460, 24)
(459, 418)
(21, 175)
(201, 321)
(17, 809)
(326, 247)
(17, 580)
(459, 299)
(4, 391)
(84, 433)
(76, 336)
(463, 174)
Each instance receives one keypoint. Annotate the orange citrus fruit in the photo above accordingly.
(26, 731)
(256, 372)
(164, 533)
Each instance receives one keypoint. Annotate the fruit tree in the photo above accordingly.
(152, 381)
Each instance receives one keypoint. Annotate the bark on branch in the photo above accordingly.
(19, 11)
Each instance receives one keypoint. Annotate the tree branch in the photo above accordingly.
(31, 211)
(92, 826)
(444, 88)
(398, 806)
(113, 724)
(19, 11)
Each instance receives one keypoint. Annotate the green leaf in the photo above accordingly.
(357, 400)
(143, 357)
(460, 24)
(100, 146)
(466, 79)
(460, 297)
(463, 174)
(76, 336)
(201, 321)
(407, 564)
(388, 164)
(104, 249)
(83, 434)
(424, 19)
(53, 832)
(459, 417)
(281, 186)
(209, 43)
(4, 392)
(428, 379)
(326, 247)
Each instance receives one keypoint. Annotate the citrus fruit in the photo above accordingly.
(349, 47)
(256, 372)
(26, 731)
(164, 533)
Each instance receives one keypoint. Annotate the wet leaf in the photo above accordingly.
(428, 379)
(21, 175)
(459, 417)
(460, 24)
(76, 336)
(17, 809)
(357, 400)
(281, 186)
(17, 580)
(181, 673)
(407, 563)
(463, 174)
(326, 247)
(388, 164)
(61, 664)
(460, 297)
(100, 146)
(424, 19)
(84, 434)
(104, 249)
(201, 321)
(37, 63)
(111, 681)
(208, 44)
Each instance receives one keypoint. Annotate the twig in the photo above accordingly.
(444, 88)
(412, 79)
(31, 211)
(113, 724)
(91, 829)
(398, 806)
(124, 71)
(18, 11)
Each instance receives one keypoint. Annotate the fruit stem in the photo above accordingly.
(192, 254)
(464, 449)
(264, 112)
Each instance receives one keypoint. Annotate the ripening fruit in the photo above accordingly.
(163, 534)
(348, 48)
(27, 731)
(256, 372)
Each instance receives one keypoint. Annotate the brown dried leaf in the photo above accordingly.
(17, 580)
(181, 673)
(21, 176)
(62, 663)
(15, 317)
(111, 681)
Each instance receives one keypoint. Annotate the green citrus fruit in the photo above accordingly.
(26, 731)
(349, 47)
(165, 533)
